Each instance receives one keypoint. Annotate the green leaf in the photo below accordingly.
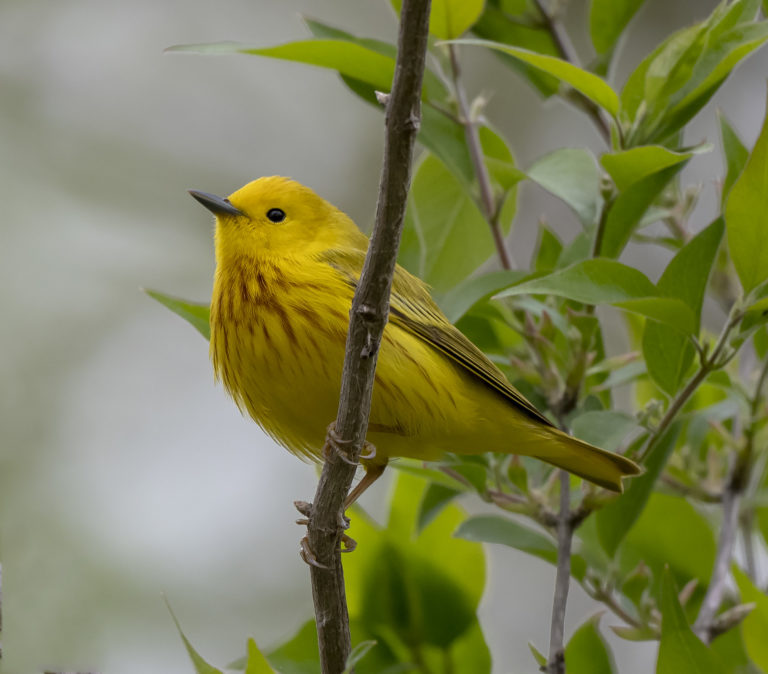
(720, 57)
(362, 89)
(257, 663)
(499, 160)
(597, 281)
(571, 175)
(506, 531)
(436, 497)
(667, 353)
(464, 296)
(414, 598)
(397, 588)
(445, 237)
(593, 87)
(325, 31)
(617, 518)
(605, 428)
(627, 210)
(548, 250)
(687, 273)
(298, 655)
(444, 137)
(580, 248)
(587, 652)
(629, 166)
(666, 532)
(760, 341)
(512, 25)
(201, 666)
(441, 134)
(680, 650)
(601, 281)
(357, 654)
(197, 314)
(746, 217)
(430, 475)
(470, 653)
(449, 19)
(354, 59)
(755, 625)
(538, 656)
(736, 155)
(607, 20)
(666, 310)
(675, 81)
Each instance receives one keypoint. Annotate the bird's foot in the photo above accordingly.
(348, 544)
(337, 447)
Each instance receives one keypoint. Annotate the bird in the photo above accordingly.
(287, 266)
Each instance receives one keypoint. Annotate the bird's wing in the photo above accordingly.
(413, 309)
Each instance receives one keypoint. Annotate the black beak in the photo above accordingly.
(214, 204)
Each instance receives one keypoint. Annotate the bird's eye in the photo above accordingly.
(276, 214)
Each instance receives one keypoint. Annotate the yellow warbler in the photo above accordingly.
(287, 263)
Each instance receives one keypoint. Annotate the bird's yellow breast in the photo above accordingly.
(277, 342)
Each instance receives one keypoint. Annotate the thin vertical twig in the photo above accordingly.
(368, 316)
(567, 52)
(556, 660)
(490, 209)
(738, 480)
(717, 584)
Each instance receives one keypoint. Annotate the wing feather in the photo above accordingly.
(413, 309)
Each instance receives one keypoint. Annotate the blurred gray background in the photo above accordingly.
(125, 475)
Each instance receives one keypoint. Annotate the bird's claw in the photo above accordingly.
(306, 553)
(347, 544)
(336, 447)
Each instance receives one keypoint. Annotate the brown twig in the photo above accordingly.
(567, 52)
(489, 207)
(714, 361)
(368, 316)
(556, 659)
(738, 480)
(725, 543)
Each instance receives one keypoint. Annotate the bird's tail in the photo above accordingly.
(597, 465)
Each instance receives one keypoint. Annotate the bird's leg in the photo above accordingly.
(373, 472)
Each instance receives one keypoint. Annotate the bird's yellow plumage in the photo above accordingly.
(287, 266)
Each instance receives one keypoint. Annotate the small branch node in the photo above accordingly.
(369, 348)
(303, 507)
(382, 98)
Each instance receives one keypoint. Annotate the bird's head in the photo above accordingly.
(277, 216)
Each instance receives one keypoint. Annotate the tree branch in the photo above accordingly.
(556, 660)
(368, 316)
(489, 207)
(567, 52)
(738, 480)
(710, 364)
(714, 596)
